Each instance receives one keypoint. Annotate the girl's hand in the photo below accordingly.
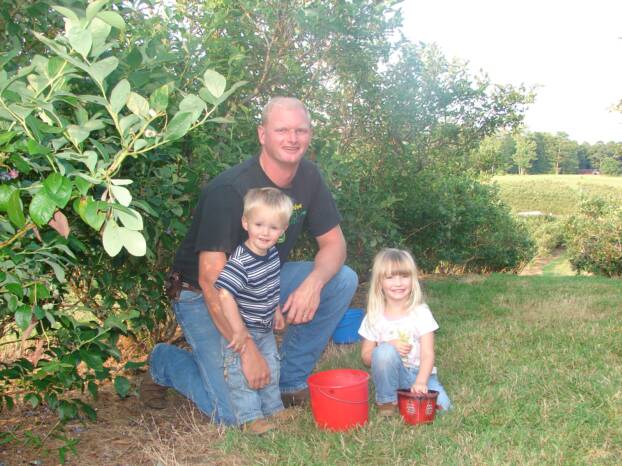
(419, 387)
(402, 348)
(279, 320)
(238, 341)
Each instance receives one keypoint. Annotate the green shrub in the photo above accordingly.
(455, 219)
(594, 237)
(547, 231)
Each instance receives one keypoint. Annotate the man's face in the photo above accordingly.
(286, 135)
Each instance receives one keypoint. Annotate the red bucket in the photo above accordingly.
(339, 398)
(417, 408)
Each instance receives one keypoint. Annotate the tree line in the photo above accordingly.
(540, 153)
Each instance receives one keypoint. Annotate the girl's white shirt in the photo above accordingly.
(408, 328)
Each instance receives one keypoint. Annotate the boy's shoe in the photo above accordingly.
(258, 426)
(299, 398)
(386, 409)
(284, 415)
(151, 394)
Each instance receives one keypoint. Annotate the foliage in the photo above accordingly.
(611, 166)
(547, 231)
(452, 219)
(594, 237)
(525, 153)
(69, 123)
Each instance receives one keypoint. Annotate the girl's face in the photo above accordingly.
(396, 287)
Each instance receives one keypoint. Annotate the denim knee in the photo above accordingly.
(385, 355)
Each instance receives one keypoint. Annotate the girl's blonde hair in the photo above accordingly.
(272, 199)
(389, 262)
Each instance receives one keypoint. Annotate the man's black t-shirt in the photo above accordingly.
(217, 222)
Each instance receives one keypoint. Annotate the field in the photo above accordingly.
(533, 366)
(554, 194)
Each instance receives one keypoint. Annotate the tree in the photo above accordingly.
(525, 153)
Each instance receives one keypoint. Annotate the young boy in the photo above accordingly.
(249, 288)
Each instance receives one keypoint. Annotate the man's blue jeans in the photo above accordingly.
(199, 375)
(249, 404)
(389, 374)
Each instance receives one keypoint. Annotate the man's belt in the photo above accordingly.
(174, 284)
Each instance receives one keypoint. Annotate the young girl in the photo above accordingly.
(398, 332)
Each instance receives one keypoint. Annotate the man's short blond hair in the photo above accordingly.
(273, 199)
(285, 102)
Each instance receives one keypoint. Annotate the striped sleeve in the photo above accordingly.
(232, 277)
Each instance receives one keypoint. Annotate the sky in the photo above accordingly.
(571, 50)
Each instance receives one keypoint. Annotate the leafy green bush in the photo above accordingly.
(594, 237)
(455, 219)
(547, 231)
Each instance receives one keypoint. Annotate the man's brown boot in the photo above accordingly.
(151, 394)
(299, 398)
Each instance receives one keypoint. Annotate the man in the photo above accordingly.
(315, 294)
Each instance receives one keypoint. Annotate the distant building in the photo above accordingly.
(589, 171)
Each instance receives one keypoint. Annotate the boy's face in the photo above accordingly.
(264, 228)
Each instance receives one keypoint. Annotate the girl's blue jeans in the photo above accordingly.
(199, 375)
(249, 404)
(389, 374)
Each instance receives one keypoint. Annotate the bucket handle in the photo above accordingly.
(339, 399)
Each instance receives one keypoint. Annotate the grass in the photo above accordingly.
(554, 194)
(533, 366)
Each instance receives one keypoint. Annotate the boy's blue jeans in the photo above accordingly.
(389, 374)
(199, 375)
(249, 404)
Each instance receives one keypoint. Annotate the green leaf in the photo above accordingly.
(77, 134)
(140, 144)
(58, 189)
(127, 122)
(55, 65)
(121, 194)
(67, 410)
(178, 126)
(41, 207)
(93, 360)
(15, 210)
(112, 18)
(132, 220)
(81, 184)
(112, 238)
(58, 270)
(15, 289)
(214, 82)
(134, 364)
(122, 386)
(120, 182)
(33, 399)
(138, 105)
(34, 148)
(5, 193)
(89, 158)
(147, 208)
(115, 322)
(193, 104)
(23, 317)
(94, 8)
(119, 95)
(133, 241)
(66, 12)
(222, 120)
(80, 40)
(103, 68)
(93, 214)
(6, 136)
(159, 99)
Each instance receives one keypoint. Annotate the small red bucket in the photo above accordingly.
(417, 408)
(339, 398)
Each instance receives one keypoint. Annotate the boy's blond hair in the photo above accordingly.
(270, 198)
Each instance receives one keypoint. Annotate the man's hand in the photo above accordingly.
(303, 302)
(254, 366)
(419, 387)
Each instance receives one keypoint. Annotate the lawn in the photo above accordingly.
(533, 366)
(554, 194)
